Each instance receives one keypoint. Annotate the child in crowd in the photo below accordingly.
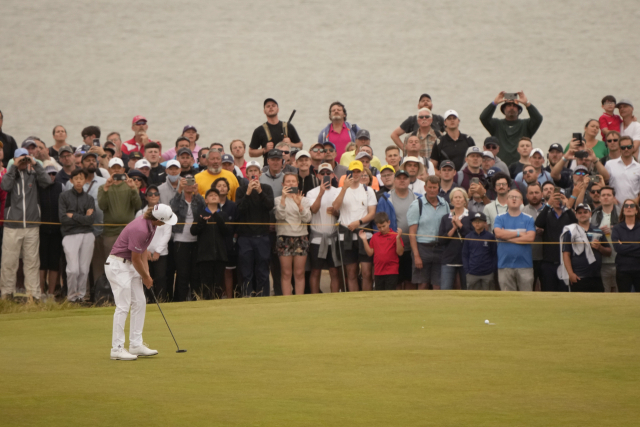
(524, 149)
(480, 257)
(609, 121)
(386, 247)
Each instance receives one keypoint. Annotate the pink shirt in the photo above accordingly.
(171, 154)
(611, 122)
(340, 140)
(135, 237)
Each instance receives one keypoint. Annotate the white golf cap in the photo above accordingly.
(488, 154)
(164, 213)
(172, 162)
(253, 163)
(302, 153)
(325, 166)
(451, 113)
(474, 150)
(115, 161)
(536, 150)
(142, 163)
(362, 155)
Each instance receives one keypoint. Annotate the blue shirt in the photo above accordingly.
(429, 222)
(512, 255)
(542, 178)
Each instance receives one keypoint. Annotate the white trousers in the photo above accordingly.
(128, 293)
(78, 248)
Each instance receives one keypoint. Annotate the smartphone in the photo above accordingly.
(578, 136)
(325, 179)
(292, 190)
(510, 96)
(475, 180)
(349, 173)
(581, 154)
(96, 142)
(557, 190)
(119, 177)
(191, 181)
(594, 178)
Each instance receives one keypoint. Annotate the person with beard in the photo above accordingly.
(214, 171)
(273, 131)
(533, 208)
(501, 183)
(339, 132)
(185, 158)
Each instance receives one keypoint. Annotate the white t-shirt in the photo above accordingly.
(624, 179)
(321, 217)
(633, 131)
(355, 206)
(186, 235)
(418, 187)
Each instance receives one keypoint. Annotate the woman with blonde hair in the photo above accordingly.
(453, 228)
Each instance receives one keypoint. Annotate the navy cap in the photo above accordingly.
(491, 140)
(479, 216)
(423, 95)
(555, 147)
(402, 172)
(227, 158)
(183, 150)
(329, 143)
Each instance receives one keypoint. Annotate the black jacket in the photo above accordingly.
(78, 204)
(157, 175)
(9, 147)
(552, 230)
(452, 247)
(230, 214)
(49, 207)
(211, 235)
(179, 206)
(627, 254)
(254, 208)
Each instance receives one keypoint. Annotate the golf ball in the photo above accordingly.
(486, 321)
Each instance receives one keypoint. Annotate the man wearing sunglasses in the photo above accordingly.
(491, 144)
(625, 172)
(202, 158)
(411, 123)
(574, 160)
(536, 160)
(330, 154)
(317, 155)
(613, 145)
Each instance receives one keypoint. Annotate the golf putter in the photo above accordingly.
(165, 321)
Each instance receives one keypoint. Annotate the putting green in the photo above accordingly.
(367, 359)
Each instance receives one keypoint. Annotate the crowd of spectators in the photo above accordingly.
(433, 211)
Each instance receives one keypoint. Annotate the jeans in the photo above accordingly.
(254, 254)
(448, 277)
(186, 255)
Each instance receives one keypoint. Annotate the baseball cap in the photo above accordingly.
(362, 155)
(329, 143)
(479, 216)
(111, 150)
(28, 142)
(537, 150)
(363, 134)
(317, 144)
(253, 163)
(269, 100)
(20, 152)
(87, 154)
(325, 166)
(50, 169)
(581, 168)
(356, 165)
(274, 154)
(402, 172)
(488, 154)
(491, 140)
(139, 174)
(115, 161)
(448, 163)
(385, 167)
(163, 213)
(137, 119)
(450, 113)
(65, 149)
(473, 150)
(142, 163)
(583, 206)
(555, 146)
(423, 95)
(135, 155)
(172, 162)
(624, 101)
(302, 153)
(183, 150)
(189, 127)
(227, 158)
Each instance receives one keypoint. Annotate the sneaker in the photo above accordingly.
(122, 354)
(143, 350)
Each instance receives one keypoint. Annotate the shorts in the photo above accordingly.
(50, 251)
(386, 282)
(320, 263)
(356, 255)
(292, 246)
(405, 270)
(431, 267)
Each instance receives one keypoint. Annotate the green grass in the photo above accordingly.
(368, 359)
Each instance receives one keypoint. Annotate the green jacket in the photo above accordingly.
(119, 204)
(509, 132)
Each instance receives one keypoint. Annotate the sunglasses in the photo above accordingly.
(629, 205)
(318, 150)
(491, 146)
(53, 174)
(424, 117)
(626, 147)
(581, 173)
(594, 191)
(613, 140)
(153, 194)
(285, 152)
(135, 178)
(329, 150)
(529, 171)
(324, 173)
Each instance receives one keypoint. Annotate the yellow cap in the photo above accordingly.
(388, 167)
(356, 165)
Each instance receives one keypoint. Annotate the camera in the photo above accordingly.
(119, 177)
(191, 181)
(594, 178)
(510, 96)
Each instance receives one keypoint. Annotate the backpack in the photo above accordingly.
(285, 128)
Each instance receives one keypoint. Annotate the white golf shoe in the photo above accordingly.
(122, 354)
(143, 350)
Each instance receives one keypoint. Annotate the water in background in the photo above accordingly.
(212, 63)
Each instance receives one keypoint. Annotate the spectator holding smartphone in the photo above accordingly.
(292, 214)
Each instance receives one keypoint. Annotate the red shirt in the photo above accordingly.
(339, 139)
(385, 258)
(610, 122)
(243, 169)
(130, 146)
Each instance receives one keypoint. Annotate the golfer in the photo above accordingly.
(127, 268)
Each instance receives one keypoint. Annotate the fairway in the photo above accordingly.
(409, 358)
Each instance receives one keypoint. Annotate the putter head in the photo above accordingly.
(181, 351)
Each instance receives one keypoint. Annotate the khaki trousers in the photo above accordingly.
(16, 240)
(515, 279)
